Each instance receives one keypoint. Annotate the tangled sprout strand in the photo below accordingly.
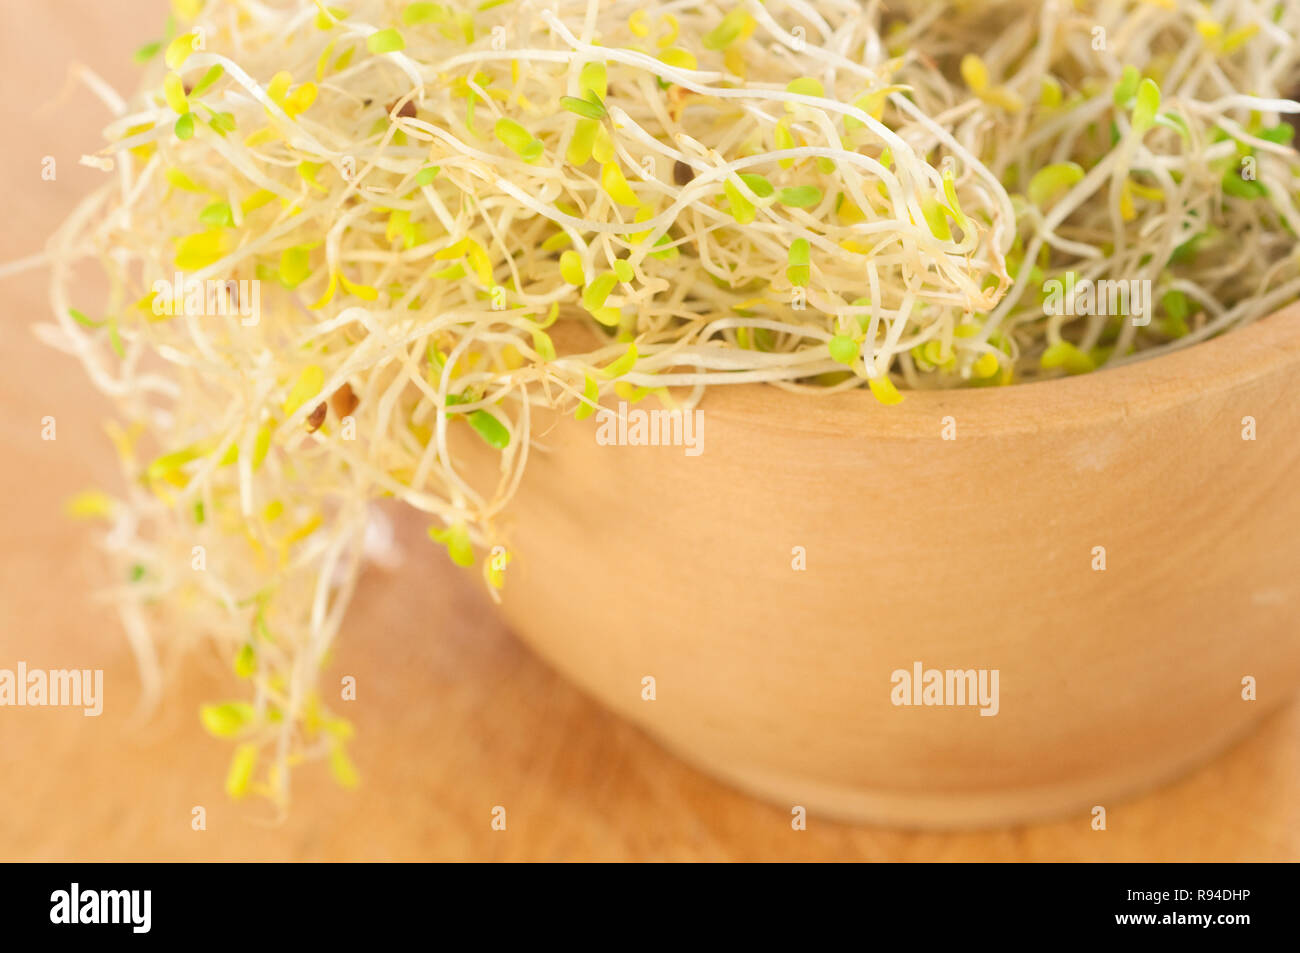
(338, 239)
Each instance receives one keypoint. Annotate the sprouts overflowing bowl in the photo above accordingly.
(341, 237)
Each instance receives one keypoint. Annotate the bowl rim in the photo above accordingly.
(1208, 370)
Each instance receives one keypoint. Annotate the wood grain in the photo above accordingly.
(454, 715)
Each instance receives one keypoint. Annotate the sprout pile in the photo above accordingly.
(401, 205)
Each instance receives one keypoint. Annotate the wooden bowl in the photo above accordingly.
(977, 552)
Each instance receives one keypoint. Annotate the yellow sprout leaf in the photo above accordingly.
(592, 79)
(245, 661)
(174, 93)
(179, 50)
(1050, 94)
(1004, 98)
(602, 145)
(1239, 38)
(90, 504)
(584, 137)
(937, 218)
(258, 199)
(986, 365)
(571, 268)
(182, 181)
(201, 249)
(805, 86)
(364, 292)
(1127, 210)
(169, 463)
(323, 61)
(884, 390)
(328, 296)
(479, 261)
(300, 100)
(975, 73)
(622, 364)
(1209, 29)
(674, 30)
(307, 386)
(278, 88)
(342, 768)
(240, 774)
(682, 59)
(452, 251)
(615, 185)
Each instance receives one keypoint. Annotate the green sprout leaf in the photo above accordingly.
(1051, 182)
(736, 25)
(757, 184)
(519, 140)
(1127, 86)
(800, 196)
(800, 259)
(586, 108)
(385, 41)
(493, 431)
(1065, 355)
(937, 218)
(115, 339)
(1239, 188)
(147, 52)
(227, 719)
(84, 321)
(222, 123)
(217, 215)
(1148, 103)
(844, 349)
(425, 13)
(742, 210)
(590, 394)
(295, 266)
(456, 539)
(543, 345)
(210, 77)
(594, 295)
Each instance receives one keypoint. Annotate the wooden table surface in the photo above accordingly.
(454, 715)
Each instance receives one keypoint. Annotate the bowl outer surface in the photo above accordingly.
(975, 552)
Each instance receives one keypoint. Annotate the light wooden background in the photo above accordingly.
(454, 715)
